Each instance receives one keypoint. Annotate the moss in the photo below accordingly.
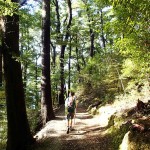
(135, 140)
(111, 121)
(117, 136)
(117, 130)
(2, 94)
(139, 140)
(3, 145)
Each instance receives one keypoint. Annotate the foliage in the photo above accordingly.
(30, 54)
(7, 7)
(128, 59)
(3, 120)
(117, 135)
(133, 18)
(34, 119)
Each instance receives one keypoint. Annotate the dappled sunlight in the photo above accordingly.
(83, 124)
(87, 126)
(86, 134)
(105, 113)
(122, 103)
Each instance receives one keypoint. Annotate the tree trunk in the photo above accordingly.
(92, 42)
(92, 35)
(19, 135)
(102, 29)
(46, 100)
(77, 55)
(62, 80)
(69, 68)
(58, 20)
(62, 53)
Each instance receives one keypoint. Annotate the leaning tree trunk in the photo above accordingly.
(46, 100)
(19, 135)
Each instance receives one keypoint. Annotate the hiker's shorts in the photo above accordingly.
(70, 115)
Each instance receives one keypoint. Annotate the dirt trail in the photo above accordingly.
(87, 133)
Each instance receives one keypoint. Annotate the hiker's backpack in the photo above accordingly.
(71, 104)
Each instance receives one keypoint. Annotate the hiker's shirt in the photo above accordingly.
(70, 101)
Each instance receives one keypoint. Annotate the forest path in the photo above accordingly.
(87, 133)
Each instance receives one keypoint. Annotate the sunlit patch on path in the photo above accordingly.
(87, 133)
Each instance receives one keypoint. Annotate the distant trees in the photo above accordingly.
(0, 66)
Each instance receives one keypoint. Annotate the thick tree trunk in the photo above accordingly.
(46, 100)
(63, 47)
(62, 80)
(19, 135)
(58, 19)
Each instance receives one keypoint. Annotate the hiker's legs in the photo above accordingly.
(71, 116)
(68, 121)
(71, 123)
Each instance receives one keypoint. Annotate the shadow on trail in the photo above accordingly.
(59, 118)
(87, 133)
(88, 130)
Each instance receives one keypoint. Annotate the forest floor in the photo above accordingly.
(88, 134)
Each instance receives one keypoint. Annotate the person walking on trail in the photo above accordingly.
(70, 109)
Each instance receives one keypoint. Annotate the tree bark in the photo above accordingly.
(92, 35)
(19, 135)
(46, 100)
(69, 67)
(92, 42)
(58, 19)
(102, 29)
(62, 53)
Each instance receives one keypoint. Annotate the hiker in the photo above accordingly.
(70, 109)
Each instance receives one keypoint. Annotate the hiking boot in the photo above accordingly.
(68, 131)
